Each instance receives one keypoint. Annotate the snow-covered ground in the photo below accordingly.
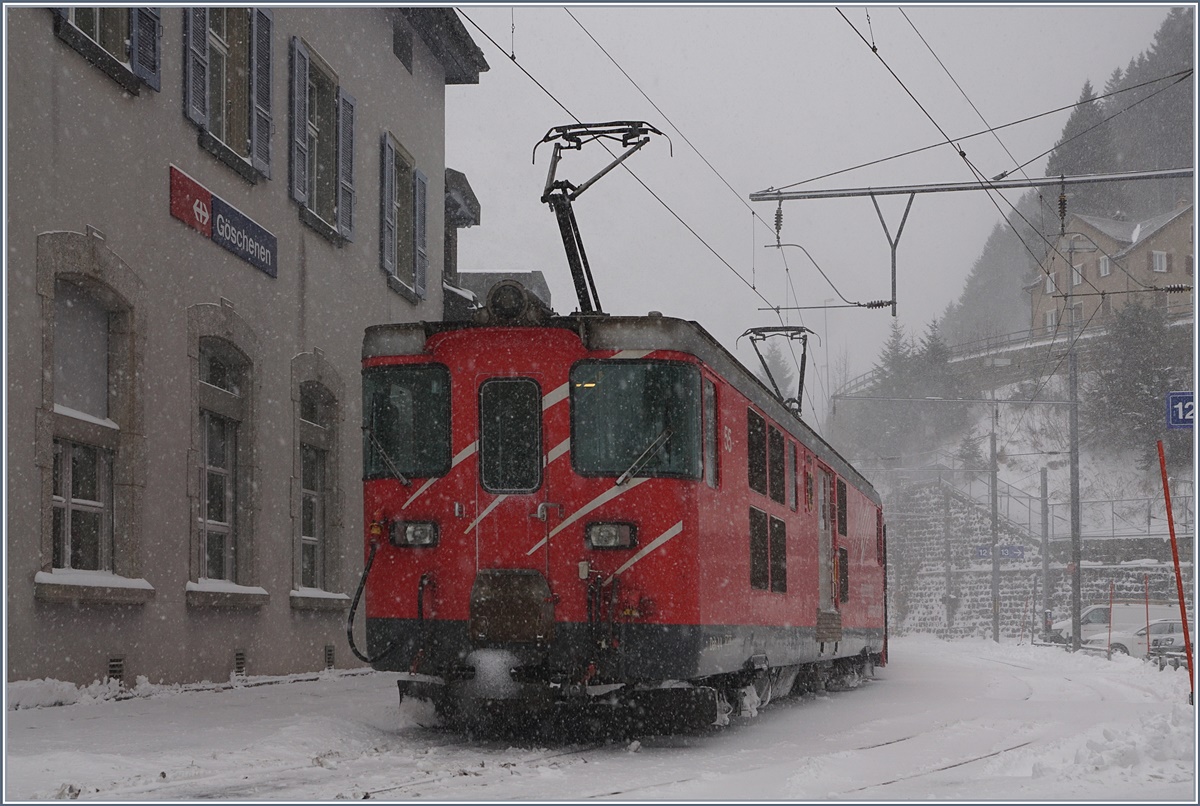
(966, 720)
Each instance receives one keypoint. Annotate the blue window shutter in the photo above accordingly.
(261, 26)
(195, 65)
(345, 163)
(420, 257)
(144, 54)
(387, 210)
(299, 130)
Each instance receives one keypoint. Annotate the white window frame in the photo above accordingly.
(66, 504)
(213, 530)
(1051, 282)
(312, 516)
(321, 145)
(1159, 262)
(1105, 266)
(1076, 276)
(1050, 319)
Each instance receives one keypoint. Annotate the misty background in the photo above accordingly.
(763, 97)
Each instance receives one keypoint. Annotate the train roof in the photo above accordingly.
(605, 332)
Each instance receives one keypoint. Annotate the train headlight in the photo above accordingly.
(410, 534)
(611, 535)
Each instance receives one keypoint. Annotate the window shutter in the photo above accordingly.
(1150, 261)
(260, 88)
(345, 163)
(387, 210)
(420, 258)
(143, 45)
(1170, 262)
(299, 129)
(195, 65)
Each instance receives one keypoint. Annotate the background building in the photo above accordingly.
(206, 207)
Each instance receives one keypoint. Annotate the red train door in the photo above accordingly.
(513, 504)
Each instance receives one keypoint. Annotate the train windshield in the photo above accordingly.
(635, 418)
(406, 421)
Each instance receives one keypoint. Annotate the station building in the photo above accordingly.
(205, 209)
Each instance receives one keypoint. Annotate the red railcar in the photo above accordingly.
(586, 509)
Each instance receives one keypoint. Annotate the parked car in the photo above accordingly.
(1165, 633)
(1126, 617)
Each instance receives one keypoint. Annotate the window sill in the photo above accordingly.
(319, 600)
(228, 156)
(65, 586)
(217, 593)
(403, 289)
(101, 58)
(322, 227)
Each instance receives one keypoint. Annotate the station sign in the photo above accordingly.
(222, 223)
(1004, 552)
(1181, 409)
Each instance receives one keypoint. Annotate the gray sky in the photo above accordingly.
(770, 95)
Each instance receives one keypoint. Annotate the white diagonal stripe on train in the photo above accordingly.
(459, 457)
(555, 452)
(651, 546)
(603, 498)
(484, 514)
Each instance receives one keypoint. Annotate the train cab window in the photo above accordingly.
(712, 470)
(756, 451)
(510, 435)
(406, 421)
(635, 418)
(791, 476)
(843, 575)
(775, 464)
(841, 507)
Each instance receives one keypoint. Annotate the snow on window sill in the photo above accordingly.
(223, 593)
(317, 599)
(87, 418)
(83, 587)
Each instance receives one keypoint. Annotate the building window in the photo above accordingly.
(1050, 319)
(1159, 263)
(122, 42)
(227, 84)
(1051, 282)
(1105, 266)
(403, 248)
(218, 497)
(1076, 275)
(82, 506)
(223, 455)
(312, 516)
(92, 455)
(322, 145)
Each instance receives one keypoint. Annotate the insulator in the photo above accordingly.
(778, 220)
(1175, 288)
(1062, 206)
(879, 303)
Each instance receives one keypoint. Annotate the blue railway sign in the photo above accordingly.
(1181, 410)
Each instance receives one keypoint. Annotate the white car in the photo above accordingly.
(1164, 633)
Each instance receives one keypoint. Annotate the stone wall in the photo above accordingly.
(938, 583)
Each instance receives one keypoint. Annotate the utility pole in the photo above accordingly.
(995, 532)
(1045, 491)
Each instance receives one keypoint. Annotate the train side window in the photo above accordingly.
(809, 485)
(712, 471)
(760, 558)
(775, 464)
(841, 507)
(791, 476)
(756, 450)
(778, 556)
(843, 575)
(510, 435)
(879, 535)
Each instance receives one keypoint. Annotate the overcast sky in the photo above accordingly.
(769, 95)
